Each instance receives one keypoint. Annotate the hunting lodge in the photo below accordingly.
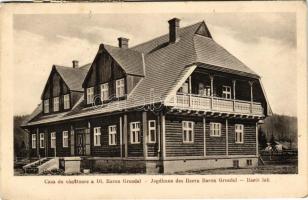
(177, 102)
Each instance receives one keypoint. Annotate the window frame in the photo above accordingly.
(120, 84)
(42, 140)
(112, 135)
(64, 137)
(186, 130)
(97, 133)
(135, 132)
(53, 138)
(213, 129)
(226, 91)
(104, 87)
(90, 95)
(151, 128)
(33, 141)
(46, 105)
(56, 103)
(240, 132)
(66, 101)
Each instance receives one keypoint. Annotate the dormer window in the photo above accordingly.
(66, 101)
(46, 106)
(104, 91)
(120, 88)
(56, 104)
(90, 95)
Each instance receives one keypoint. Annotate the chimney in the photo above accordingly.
(123, 42)
(174, 25)
(75, 63)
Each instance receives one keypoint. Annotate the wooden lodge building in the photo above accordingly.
(177, 102)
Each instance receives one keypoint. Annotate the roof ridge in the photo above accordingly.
(155, 38)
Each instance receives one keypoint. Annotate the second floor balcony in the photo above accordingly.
(221, 93)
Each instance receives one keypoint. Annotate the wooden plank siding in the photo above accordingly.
(174, 137)
(105, 150)
(249, 145)
(134, 150)
(215, 145)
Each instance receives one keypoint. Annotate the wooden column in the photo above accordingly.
(257, 140)
(234, 82)
(212, 90)
(37, 142)
(125, 135)
(190, 91)
(204, 136)
(72, 141)
(227, 139)
(251, 95)
(144, 133)
(121, 137)
(163, 136)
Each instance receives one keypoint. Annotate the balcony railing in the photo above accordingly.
(197, 102)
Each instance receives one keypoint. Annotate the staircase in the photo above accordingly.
(37, 166)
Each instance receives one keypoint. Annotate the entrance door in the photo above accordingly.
(82, 141)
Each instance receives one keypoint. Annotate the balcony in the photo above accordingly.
(215, 104)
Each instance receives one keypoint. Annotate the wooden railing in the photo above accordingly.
(197, 102)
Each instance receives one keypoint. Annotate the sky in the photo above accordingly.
(265, 42)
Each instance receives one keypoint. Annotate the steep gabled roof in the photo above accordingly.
(131, 61)
(73, 77)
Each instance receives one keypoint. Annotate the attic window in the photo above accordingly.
(56, 104)
(120, 88)
(90, 95)
(66, 99)
(46, 106)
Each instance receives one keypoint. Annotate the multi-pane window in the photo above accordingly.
(46, 106)
(104, 91)
(33, 141)
(184, 88)
(120, 87)
(56, 104)
(239, 133)
(65, 138)
(226, 92)
(215, 129)
(134, 132)
(90, 95)
(188, 131)
(66, 100)
(112, 130)
(53, 140)
(97, 136)
(42, 140)
(152, 131)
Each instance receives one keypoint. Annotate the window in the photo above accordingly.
(207, 91)
(184, 88)
(104, 92)
(97, 136)
(53, 140)
(249, 162)
(134, 132)
(152, 131)
(66, 99)
(46, 106)
(90, 95)
(188, 131)
(112, 134)
(226, 92)
(215, 129)
(56, 104)
(239, 133)
(204, 90)
(33, 141)
(65, 139)
(120, 87)
(236, 164)
(41, 140)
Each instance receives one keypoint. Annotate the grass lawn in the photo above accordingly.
(262, 169)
